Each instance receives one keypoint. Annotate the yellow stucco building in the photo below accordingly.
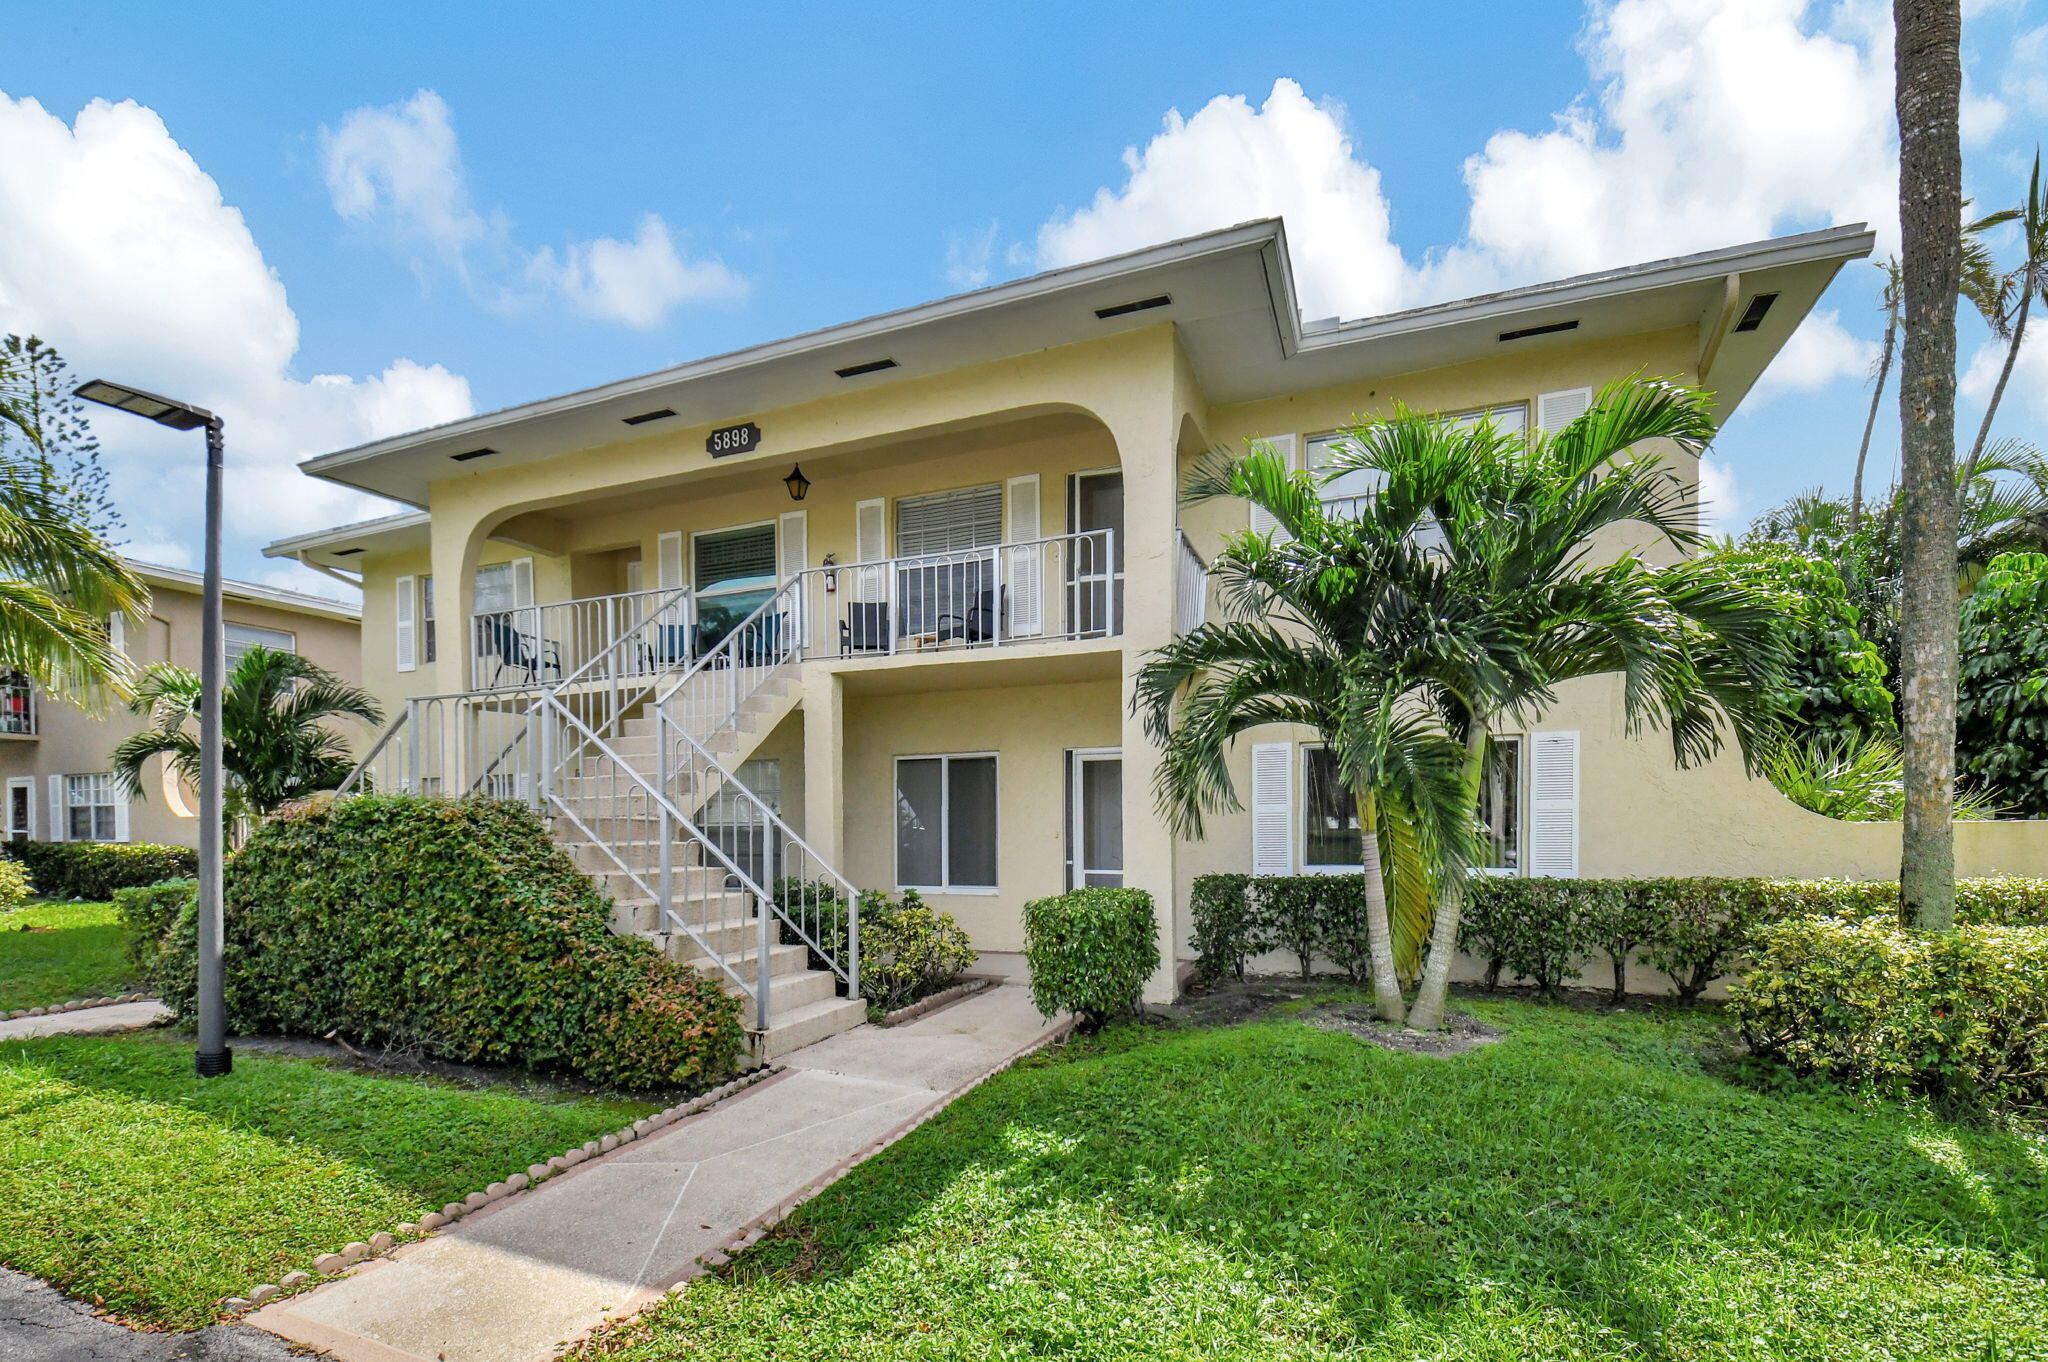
(866, 603)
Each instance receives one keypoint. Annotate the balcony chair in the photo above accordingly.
(499, 640)
(761, 643)
(978, 625)
(664, 646)
(865, 628)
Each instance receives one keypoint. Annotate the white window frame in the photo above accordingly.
(28, 783)
(1301, 812)
(946, 760)
(1521, 866)
(227, 644)
(115, 802)
(690, 566)
(428, 635)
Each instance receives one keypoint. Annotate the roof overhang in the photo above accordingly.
(157, 575)
(1232, 302)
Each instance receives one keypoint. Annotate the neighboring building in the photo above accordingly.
(54, 756)
(991, 540)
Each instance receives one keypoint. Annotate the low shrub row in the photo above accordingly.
(456, 928)
(94, 870)
(1695, 930)
(1090, 952)
(909, 950)
(1959, 1016)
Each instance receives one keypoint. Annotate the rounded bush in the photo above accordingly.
(1091, 951)
(14, 885)
(456, 927)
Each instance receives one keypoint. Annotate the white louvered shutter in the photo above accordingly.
(668, 560)
(1288, 449)
(522, 582)
(60, 812)
(1272, 808)
(405, 629)
(120, 810)
(1025, 572)
(1555, 411)
(792, 555)
(1554, 804)
(871, 545)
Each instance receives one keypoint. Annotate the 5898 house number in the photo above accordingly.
(732, 440)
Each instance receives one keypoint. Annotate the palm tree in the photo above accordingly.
(1884, 369)
(59, 583)
(1334, 623)
(2004, 300)
(1928, 60)
(1517, 524)
(275, 742)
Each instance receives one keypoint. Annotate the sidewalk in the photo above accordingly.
(516, 1281)
(87, 1021)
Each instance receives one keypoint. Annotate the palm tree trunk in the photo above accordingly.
(1379, 935)
(1428, 1012)
(1884, 369)
(1929, 86)
(2012, 354)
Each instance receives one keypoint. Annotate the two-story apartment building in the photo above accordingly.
(54, 757)
(866, 603)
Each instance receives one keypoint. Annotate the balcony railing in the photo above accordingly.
(17, 708)
(531, 646)
(1190, 586)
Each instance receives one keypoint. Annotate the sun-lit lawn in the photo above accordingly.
(1585, 1188)
(54, 952)
(125, 1180)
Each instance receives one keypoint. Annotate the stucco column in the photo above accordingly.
(1146, 451)
(457, 542)
(824, 711)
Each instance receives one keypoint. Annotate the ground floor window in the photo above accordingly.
(91, 807)
(1330, 839)
(946, 822)
(1500, 807)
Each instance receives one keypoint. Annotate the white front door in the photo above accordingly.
(1095, 825)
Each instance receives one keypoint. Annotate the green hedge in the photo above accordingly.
(1961, 1016)
(455, 926)
(1695, 930)
(148, 912)
(94, 870)
(908, 949)
(1091, 951)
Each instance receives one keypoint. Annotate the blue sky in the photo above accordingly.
(336, 222)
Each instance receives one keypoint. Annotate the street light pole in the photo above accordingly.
(213, 1057)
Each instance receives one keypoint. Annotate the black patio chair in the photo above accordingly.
(665, 645)
(978, 625)
(499, 639)
(761, 644)
(865, 628)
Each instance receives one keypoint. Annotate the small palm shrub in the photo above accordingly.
(1960, 1016)
(1858, 779)
(1090, 952)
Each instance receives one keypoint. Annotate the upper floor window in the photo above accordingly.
(496, 588)
(17, 705)
(427, 618)
(240, 638)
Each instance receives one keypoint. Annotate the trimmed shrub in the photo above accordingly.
(1620, 921)
(148, 912)
(1289, 912)
(1225, 927)
(1707, 925)
(457, 927)
(908, 950)
(14, 885)
(94, 870)
(1533, 928)
(1961, 1016)
(1091, 951)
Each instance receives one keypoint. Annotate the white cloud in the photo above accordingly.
(968, 256)
(120, 252)
(2026, 392)
(1290, 157)
(1706, 125)
(398, 167)
(638, 282)
(1819, 353)
(1720, 499)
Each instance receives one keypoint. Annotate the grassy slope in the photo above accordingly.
(1582, 1189)
(80, 956)
(125, 1179)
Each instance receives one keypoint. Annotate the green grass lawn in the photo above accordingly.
(1584, 1188)
(125, 1180)
(54, 952)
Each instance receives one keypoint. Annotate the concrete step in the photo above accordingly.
(793, 1028)
(727, 938)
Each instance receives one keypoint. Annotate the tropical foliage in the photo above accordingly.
(1858, 779)
(276, 744)
(2002, 695)
(1835, 677)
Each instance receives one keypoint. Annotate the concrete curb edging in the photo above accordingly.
(74, 1005)
(756, 1229)
(912, 1011)
(337, 1263)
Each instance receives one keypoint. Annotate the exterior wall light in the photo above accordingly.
(797, 483)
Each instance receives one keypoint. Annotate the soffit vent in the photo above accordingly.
(467, 455)
(1753, 315)
(644, 417)
(873, 366)
(1126, 309)
(1548, 329)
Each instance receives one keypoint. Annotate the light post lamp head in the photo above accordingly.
(162, 410)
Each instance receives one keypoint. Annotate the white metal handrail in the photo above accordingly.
(1191, 586)
(533, 647)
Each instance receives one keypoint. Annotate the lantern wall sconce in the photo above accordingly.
(797, 483)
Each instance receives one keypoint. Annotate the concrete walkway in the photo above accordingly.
(88, 1021)
(516, 1281)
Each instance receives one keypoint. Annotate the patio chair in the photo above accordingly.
(500, 640)
(865, 628)
(665, 645)
(978, 625)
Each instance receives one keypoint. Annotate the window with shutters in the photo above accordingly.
(733, 574)
(91, 808)
(238, 639)
(1500, 807)
(426, 619)
(495, 590)
(1330, 838)
(946, 822)
(954, 583)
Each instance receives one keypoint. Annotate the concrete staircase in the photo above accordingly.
(804, 1003)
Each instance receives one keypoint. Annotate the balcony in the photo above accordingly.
(1066, 587)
